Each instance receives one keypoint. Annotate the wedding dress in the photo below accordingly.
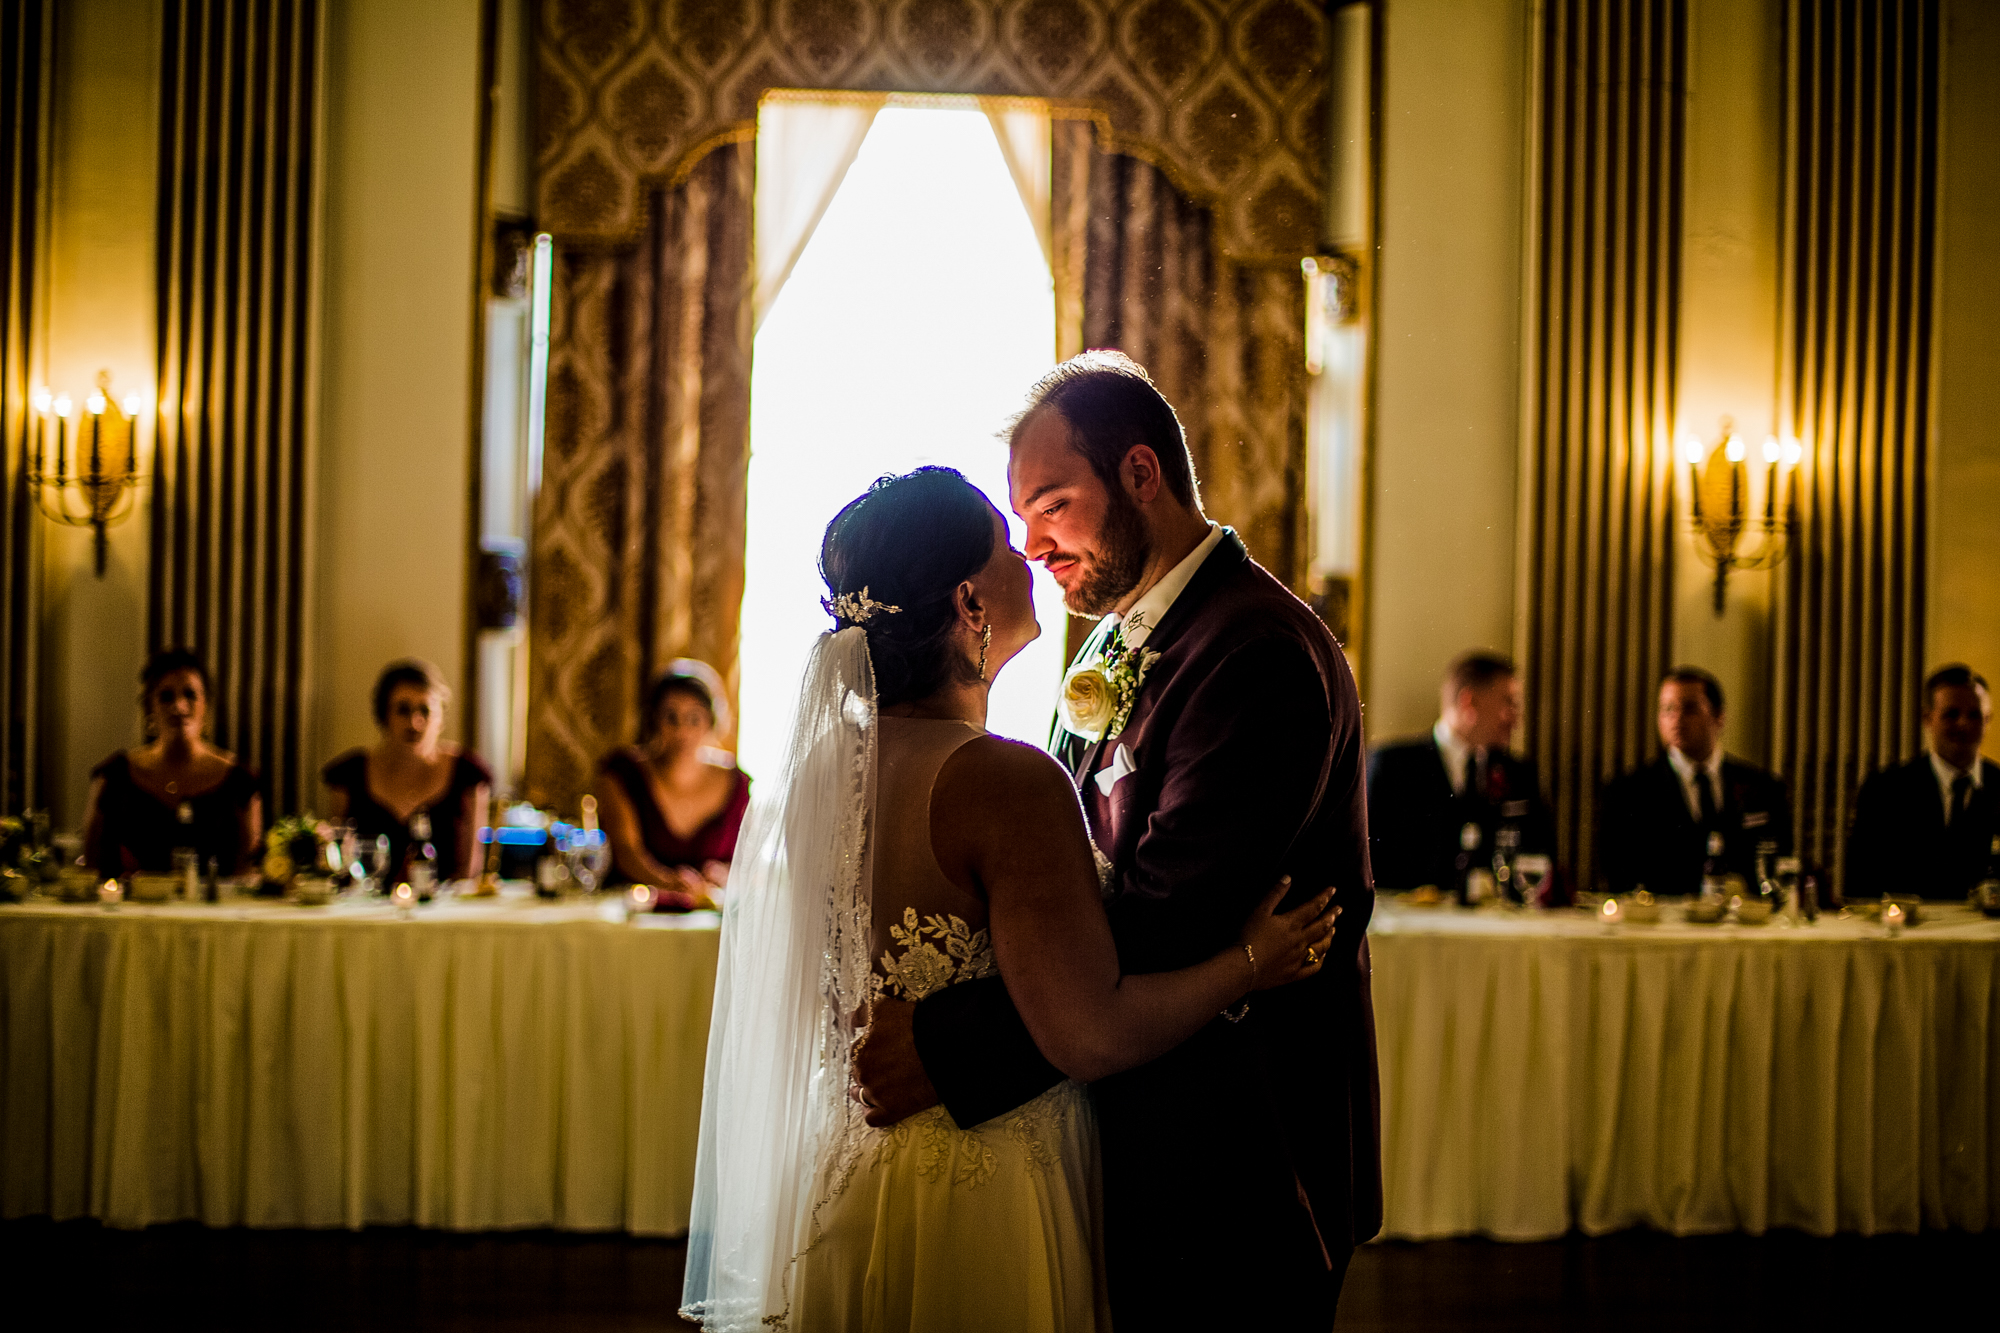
(806, 1219)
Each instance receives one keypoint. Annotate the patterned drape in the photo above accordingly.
(27, 57)
(1209, 120)
(638, 554)
(1224, 341)
(1856, 390)
(1597, 530)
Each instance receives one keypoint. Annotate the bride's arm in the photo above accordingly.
(1006, 823)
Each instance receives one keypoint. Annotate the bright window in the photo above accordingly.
(915, 321)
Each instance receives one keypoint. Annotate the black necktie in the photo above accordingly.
(1704, 790)
(1472, 772)
(1961, 796)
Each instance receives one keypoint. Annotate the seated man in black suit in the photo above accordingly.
(1423, 792)
(1927, 827)
(1653, 824)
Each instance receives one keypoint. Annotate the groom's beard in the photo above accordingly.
(1113, 569)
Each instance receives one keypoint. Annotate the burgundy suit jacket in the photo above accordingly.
(1240, 1168)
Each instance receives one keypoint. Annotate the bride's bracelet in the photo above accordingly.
(1235, 1012)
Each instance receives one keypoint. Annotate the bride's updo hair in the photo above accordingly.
(910, 541)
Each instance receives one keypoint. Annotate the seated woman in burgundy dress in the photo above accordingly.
(176, 790)
(674, 804)
(413, 769)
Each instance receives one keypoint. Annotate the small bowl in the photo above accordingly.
(1705, 911)
(151, 888)
(1641, 913)
(1753, 912)
(77, 885)
(313, 890)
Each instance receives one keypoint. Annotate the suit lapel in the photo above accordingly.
(1227, 555)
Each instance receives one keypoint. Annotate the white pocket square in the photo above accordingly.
(1121, 764)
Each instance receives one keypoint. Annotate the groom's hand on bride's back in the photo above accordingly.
(889, 1078)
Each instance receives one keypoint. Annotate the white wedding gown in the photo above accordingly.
(804, 1218)
(926, 1226)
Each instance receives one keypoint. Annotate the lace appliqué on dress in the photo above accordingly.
(950, 1155)
(924, 969)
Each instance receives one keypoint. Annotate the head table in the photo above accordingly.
(485, 1063)
(1546, 1071)
(510, 1063)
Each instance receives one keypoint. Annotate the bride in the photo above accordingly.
(907, 850)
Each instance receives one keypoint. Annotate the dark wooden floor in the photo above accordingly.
(81, 1276)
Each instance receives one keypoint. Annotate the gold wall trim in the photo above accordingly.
(229, 574)
(1603, 332)
(27, 76)
(1856, 388)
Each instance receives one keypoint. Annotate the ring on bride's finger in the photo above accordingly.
(1312, 956)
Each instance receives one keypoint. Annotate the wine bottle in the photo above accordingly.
(1986, 894)
(1711, 869)
(423, 859)
(1469, 879)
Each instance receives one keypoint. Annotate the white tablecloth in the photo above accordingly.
(1543, 1072)
(486, 1064)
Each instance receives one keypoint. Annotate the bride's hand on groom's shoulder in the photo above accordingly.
(1284, 947)
(889, 1077)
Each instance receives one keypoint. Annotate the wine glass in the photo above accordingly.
(370, 860)
(1531, 870)
(593, 858)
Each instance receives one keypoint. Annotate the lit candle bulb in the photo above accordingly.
(62, 406)
(639, 900)
(1611, 911)
(110, 893)
(131, 406)
(96, 405)
(404, 897)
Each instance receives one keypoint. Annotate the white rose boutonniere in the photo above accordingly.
(1088, 703)
(1097, 694)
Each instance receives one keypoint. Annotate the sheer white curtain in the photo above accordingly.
(805, 145)
(1023, 132)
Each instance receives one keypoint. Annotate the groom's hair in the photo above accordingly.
(1111, 405)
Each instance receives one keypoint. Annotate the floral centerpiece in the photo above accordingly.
(293, 846)
(26, 860)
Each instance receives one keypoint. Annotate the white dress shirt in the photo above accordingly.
(1152, 607)
(1454, 752)
(1685, 769)
(1946, 775)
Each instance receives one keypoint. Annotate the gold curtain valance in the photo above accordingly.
(1228, 98)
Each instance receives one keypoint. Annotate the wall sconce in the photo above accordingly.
(1723, 514)
(97, 488)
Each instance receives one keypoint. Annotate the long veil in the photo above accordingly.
(775, 1115)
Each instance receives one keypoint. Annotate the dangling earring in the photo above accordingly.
(985, 642)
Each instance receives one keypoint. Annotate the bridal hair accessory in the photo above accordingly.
(856, 607)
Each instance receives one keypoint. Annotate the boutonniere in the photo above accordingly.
(1098, 692)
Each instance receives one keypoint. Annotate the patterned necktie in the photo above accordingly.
(1704, 790)
(1961, 796)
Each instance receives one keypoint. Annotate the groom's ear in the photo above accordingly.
(1140, 473)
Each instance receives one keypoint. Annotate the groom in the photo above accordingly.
(1240, 1170)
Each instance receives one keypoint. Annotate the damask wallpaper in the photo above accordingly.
(1186, 182)
(1227, 96)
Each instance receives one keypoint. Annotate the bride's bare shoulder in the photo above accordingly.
(992, 777)
(1000, 803)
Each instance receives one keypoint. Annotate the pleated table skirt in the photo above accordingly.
(1544, 1072)
(483, 1065)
